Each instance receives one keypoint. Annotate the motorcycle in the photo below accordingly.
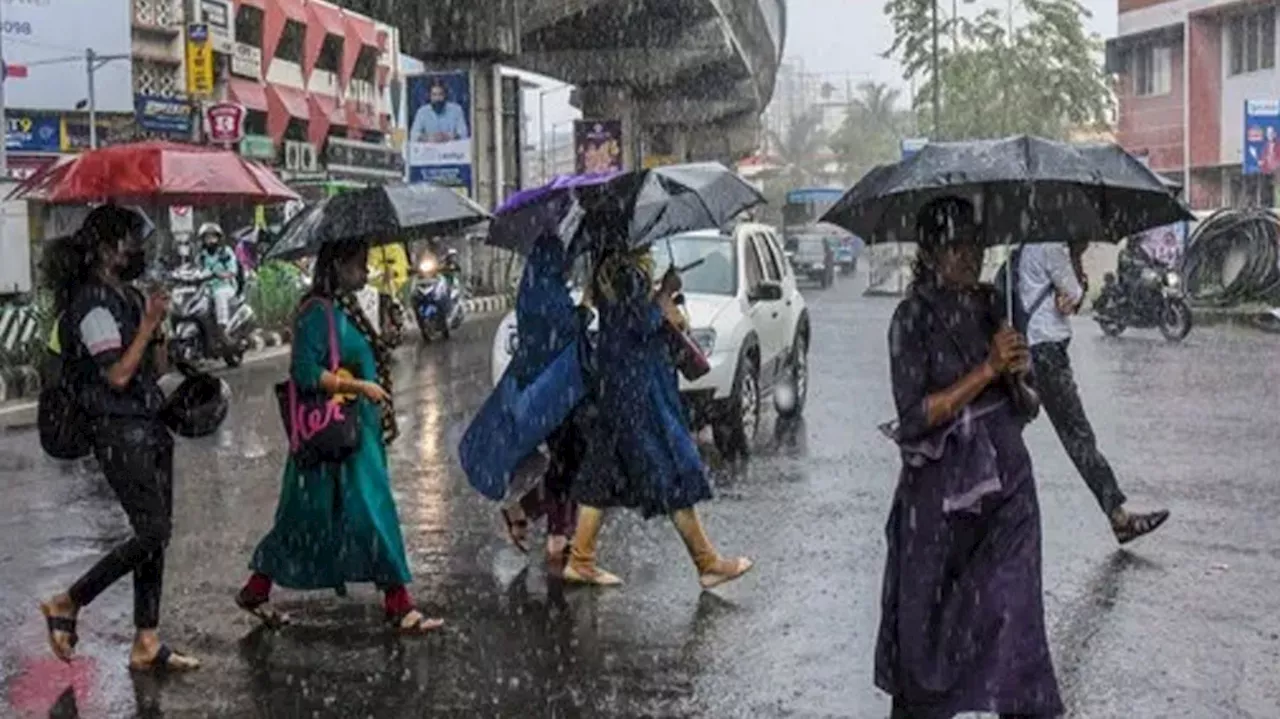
(438, 303)
(1154, 299)
(193, 322)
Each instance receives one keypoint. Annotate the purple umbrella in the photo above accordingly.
(530, 214)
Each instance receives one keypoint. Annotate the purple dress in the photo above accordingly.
(962, 623)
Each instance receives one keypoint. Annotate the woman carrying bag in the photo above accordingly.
(336, 519)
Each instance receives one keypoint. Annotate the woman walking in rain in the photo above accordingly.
(547, 323)
(640, 454)
(337, 524)
(962, 625)
(113, 356)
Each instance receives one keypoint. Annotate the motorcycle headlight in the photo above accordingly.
(1150, 276)
(705, 339)
(427, 266)
(1172, 279)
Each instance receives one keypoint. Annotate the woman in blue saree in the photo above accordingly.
(640, 452)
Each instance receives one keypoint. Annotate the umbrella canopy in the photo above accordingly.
(156, 173)
(1026, 189)
(377, 215)
(653, 204)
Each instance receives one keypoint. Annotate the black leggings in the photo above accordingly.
(900, 711)
(136, 456)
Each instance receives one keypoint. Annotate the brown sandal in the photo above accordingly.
(414, 622)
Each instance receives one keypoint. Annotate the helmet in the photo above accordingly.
(197, 407)
(210, 228)
(452, 254)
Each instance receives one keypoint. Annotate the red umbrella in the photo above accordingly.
(156, 173)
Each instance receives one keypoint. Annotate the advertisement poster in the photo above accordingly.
(42, 34)
(163, 114)
(29, 132)
(1164, 244)
(1261, 137)
(597, 145)
(199, 60)
(439, 142)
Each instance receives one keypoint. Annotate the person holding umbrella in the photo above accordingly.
(640, 454)
(338, 524)
(962, 620)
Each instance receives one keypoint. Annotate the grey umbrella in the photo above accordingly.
(377, 215)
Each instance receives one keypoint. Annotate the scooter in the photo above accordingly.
(1155, 300)
(193, 322)
(438, 304)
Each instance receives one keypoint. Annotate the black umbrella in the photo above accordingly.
(650, 204)
(377, 215)
(1026, 189)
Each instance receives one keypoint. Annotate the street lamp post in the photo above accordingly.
(94, 62)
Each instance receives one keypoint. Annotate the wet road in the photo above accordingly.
(1185, 624)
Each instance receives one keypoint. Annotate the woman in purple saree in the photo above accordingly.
(962, 625)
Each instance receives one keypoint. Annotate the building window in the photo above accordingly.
(1251, 38)
(1152, 71)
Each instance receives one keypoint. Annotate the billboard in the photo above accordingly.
(33, 132)
(439, 143)
(597, 145)
(1261, 137)
(1164, 244)
(49, 37)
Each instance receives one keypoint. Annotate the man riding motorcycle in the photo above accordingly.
(220, 261)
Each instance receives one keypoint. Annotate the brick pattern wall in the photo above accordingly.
(1152, 125)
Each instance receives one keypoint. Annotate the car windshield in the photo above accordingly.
(717, 274)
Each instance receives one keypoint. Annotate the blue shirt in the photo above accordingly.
(427, 122)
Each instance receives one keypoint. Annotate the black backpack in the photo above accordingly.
(64, 433)
(1007, 280)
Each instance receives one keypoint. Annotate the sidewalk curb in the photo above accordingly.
(23, 381)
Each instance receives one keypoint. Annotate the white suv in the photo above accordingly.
(748, 317)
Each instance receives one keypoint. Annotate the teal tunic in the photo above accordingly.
(323, 541)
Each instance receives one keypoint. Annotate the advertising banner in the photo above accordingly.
(597, 145)
(28, 132)
(49, 38)
(439, 143)
(199, 60)
(220, 17)
(1164, 244)
(1261, 137)
(163, 114)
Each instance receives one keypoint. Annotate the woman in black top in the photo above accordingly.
(114, 353)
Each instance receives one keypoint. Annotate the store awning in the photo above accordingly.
(362, 35)
(284, 104)
(278, 14)
(325, 20)
(252, 95)
(324, 114)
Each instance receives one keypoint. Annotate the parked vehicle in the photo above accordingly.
(439, 302)
(1154, 299)
(193, 324)
(746, 314)
(813, 257)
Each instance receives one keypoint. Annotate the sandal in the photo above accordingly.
(1137, 525)
(262, 609)
(725, 570)
(517, 528)
(166, 660)
(413, 622)
(66, 625)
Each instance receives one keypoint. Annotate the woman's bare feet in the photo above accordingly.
(415, 622)
(724, 570)
(149, 654)
(60, 618)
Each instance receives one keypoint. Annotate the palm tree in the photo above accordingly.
(877, 106)
(800, 147)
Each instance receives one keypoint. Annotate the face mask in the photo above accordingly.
(135, 263)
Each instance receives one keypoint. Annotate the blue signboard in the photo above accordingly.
(1261, 151)
(29, 132)
(163, 114)
(440, 143)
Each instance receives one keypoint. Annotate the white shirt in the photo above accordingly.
(1047, 266)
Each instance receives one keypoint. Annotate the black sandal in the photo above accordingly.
(1137, 525)
(66, 625)
(160, 663)
(517, 531)
(262, 610)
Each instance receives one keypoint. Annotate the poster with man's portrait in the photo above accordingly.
(598, 145)
(439, 141)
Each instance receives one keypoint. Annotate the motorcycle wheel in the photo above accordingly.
(233, 359)
(1175, 320)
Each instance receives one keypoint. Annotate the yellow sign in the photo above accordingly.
(652, 161)
(199, 60)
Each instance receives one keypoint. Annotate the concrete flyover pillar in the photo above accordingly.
(615, 102)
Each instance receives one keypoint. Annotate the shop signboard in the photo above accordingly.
(1261, 137)
(41, 35)
(224, 123)
(163, 114)
(32, 132)
(199, 60)
(246, 61)
(597, 145)
(258, 147)
(220, 17)
(440, 143)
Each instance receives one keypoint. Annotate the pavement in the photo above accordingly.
(1184, 623)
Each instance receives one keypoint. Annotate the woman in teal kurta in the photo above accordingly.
(337, 524)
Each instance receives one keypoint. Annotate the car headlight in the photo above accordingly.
(1172, 279)
(705, 339)
(513, 342)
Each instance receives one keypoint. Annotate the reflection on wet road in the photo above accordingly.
(1183, 624)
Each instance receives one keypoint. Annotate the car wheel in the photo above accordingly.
(735, 428)
(799, 378)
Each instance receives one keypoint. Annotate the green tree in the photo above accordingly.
(799, 148)
(872, 131)
(1042, 77)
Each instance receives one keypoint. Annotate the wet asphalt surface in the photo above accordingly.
(1185, 623)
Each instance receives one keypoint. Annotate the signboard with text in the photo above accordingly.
(30, 132)
(220, 17)
(440, 144)
(163, 114)
(199, 60)
(224, 123)
(1261, 137)
(46, 36)
(246, 61)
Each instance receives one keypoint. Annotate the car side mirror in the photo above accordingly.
(766, 292)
